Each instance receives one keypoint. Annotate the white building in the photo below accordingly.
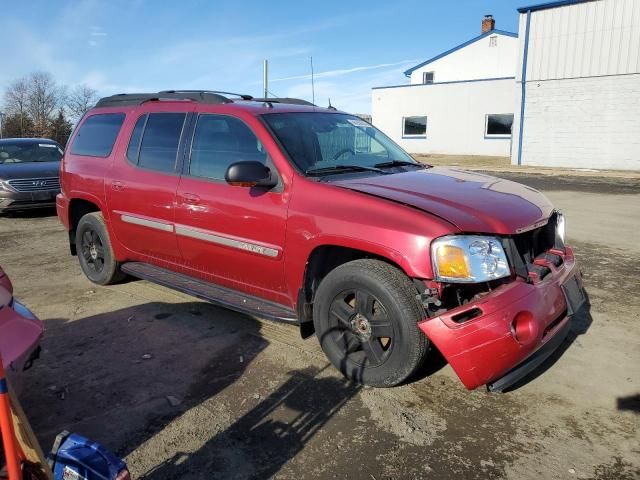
(458, 102)
(581, 94)
(578, 106)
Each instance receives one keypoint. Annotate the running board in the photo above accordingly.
(216, 294)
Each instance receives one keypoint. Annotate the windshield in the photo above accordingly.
(27, 152)
(325, 141)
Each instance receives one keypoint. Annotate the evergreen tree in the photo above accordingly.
(60, 128)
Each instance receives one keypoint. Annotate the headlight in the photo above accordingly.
(5, 187)
(469, 258)
(561, 226)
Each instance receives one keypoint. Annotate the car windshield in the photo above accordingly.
(27, 152)
(335, 143)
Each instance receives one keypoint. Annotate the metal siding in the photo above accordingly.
(634, 44)
(521, 28)
(586, 39)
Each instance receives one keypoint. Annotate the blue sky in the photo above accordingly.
(143, 45)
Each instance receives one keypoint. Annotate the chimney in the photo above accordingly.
(488, 23)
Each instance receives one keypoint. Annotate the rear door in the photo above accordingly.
(142, 187)
(230, 235)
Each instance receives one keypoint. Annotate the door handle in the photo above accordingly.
(117, 186)
(190, 198)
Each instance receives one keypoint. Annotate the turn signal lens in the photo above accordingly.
(452, 262)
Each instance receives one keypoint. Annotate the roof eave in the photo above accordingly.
(408, 72)
(547, 5)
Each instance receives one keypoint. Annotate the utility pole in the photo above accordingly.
(265, 78)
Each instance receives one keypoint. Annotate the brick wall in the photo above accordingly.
(589, 122)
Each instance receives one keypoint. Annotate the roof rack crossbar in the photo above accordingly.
(217, 92)
(288, 100)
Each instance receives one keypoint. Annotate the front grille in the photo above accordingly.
(537, 241)
(35, 184)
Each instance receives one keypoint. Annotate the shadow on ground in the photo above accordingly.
(122, 375)
(31, 213)
(263, 440)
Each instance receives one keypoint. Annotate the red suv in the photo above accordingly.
(288, 211)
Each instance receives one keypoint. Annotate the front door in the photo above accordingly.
(142, 187)
(230, 235)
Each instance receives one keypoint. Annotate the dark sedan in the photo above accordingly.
(29, 173)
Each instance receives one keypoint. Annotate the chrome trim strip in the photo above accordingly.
(226, 241)
(533, 227)
(165, 227)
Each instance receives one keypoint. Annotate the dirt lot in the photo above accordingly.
(186, 390)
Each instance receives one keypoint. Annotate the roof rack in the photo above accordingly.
(124, 99)
(216, 92)
(289, 100)
(199, 96)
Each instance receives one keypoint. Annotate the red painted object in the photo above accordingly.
(20, 330)
(487, 347)
(263, 242)
(9, 442)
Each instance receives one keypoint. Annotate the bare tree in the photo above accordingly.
(44, 95)
(16, 98)
(80, 100)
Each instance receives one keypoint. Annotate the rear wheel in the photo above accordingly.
(94, 250)
(365, 316)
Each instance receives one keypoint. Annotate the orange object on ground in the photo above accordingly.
(11, 449)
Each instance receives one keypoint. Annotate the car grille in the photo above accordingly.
(35, 184)
(536, 242)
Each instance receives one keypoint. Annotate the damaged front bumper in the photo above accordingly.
(512, 330)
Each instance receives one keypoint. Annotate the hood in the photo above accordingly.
(9, 171)
(473, 202)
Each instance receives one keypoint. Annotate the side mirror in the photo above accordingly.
(250, 174)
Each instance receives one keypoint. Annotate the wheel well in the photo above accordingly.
(78, 208)
(321, 261)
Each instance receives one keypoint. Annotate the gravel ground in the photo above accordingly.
(183, 389)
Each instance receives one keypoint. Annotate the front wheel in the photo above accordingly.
(94, 250)
(365, 315)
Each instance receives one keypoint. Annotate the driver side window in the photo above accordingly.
(219, 141)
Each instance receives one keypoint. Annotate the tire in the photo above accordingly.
(94, 250)
(365, 315)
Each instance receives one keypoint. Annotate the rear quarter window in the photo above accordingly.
(97, 135)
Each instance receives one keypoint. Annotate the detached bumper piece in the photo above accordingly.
(531, 363)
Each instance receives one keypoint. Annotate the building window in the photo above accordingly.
(493, 41)
(427, 77)
(414, 127)
(498, 125)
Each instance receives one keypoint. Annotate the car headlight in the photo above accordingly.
(5, 187)
(561, 226)
(469, 258)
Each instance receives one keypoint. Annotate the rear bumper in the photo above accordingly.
(27, 200)
(489, 349)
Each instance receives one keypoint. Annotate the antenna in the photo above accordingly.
(313, 89)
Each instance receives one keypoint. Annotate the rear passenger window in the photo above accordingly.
(134, 143)
(97, 135)
(160, 140)
(220, 141)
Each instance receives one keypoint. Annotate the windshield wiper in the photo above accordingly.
(400, 163)
(342, 168)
